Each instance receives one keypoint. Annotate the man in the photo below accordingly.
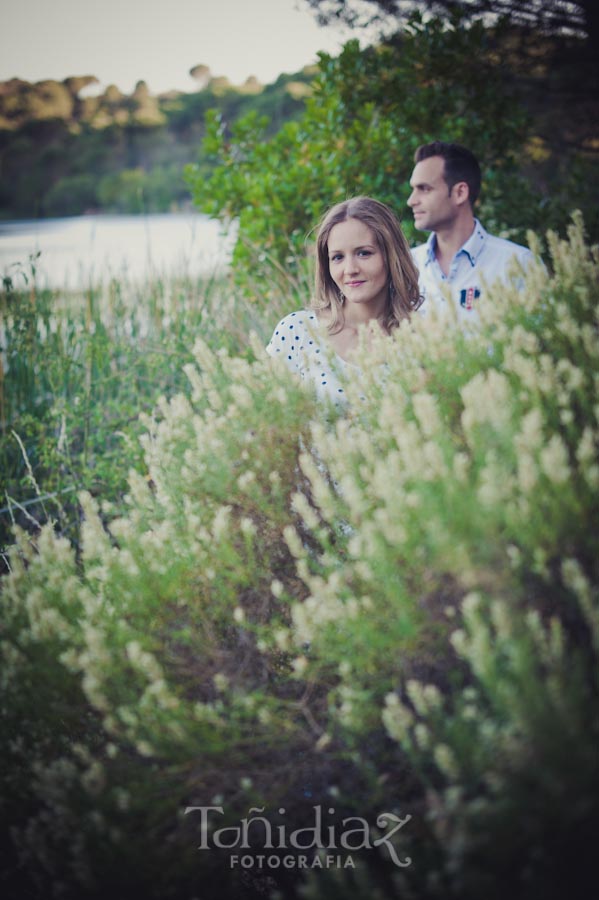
(459, 253)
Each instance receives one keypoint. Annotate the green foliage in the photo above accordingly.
(75, 373)
(138, 191)
(577, 17)
(392, 608)
(369, 111)
(61, 154)
(72, 194)
(123, 191)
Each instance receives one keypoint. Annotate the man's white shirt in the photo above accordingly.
(483, 257)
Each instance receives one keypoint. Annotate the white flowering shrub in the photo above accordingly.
(465, 605)
(389, 608)
(133, 682)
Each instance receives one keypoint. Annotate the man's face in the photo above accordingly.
(433, 205)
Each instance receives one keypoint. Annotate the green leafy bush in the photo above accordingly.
(393, 608)
(77, 369)
(368, 112)
(71, 194)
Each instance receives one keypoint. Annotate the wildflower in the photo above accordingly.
(586, 452)
(300, 664)
(323, 741)
(274, 478)
(459, 641)
(494, 487)
(576, 580)
(281, 637)
(422, 736)
(277, 588)
(427, 413)
(523, 341)
(486, 399)
(435, 467)
(445, 760)
(264, 716)
(501, 620)
(241, 396)
(461, 467)
(221, 682)
(432, 696)
(220, 524)
(397, 719)
(554, 460)
(93, 779)
(514, 555)
(527, 472)
(301, 506)
(144, 748)
(204, 356)
(293, 541)
(247, 526)
(122, 798)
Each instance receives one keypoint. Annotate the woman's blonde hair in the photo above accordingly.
(403, 292)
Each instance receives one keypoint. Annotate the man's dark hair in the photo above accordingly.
(460, 165)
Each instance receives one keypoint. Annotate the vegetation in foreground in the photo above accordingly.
(77, 370)
(499, 90)
(390, 611)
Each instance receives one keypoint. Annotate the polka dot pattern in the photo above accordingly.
(301, 343)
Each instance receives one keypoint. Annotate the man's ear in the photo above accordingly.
(461, 192)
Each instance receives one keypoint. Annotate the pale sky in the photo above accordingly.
(159, 41)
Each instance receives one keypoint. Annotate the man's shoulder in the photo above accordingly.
(502, 248)
(419, 253)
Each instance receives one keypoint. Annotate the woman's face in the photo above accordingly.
(357, 265)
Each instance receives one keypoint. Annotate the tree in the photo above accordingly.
(577, 17)
(546, 52)
(368, 112)
(202, 75)
(76, 83)
(71, 195)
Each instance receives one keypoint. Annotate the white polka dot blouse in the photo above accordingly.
(300, 342)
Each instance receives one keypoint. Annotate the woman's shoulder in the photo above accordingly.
(294, 335)
(293, 326)
(298, 319)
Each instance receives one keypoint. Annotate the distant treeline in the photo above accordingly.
(64, 153)
(526, 103)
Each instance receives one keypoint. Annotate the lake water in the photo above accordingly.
(83, 250)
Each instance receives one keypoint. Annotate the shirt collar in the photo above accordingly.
(472, 248)
(431, 245)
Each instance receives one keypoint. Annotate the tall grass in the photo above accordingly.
(386, 613)
(77, 368)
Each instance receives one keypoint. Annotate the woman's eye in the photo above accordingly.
(336, 257)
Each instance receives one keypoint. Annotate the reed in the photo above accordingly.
(77, 368)
(386, 615)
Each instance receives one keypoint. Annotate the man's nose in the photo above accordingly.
(411, 199)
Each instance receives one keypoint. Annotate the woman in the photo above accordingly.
(364, 274)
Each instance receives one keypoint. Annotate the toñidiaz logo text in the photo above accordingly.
(328, 844)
